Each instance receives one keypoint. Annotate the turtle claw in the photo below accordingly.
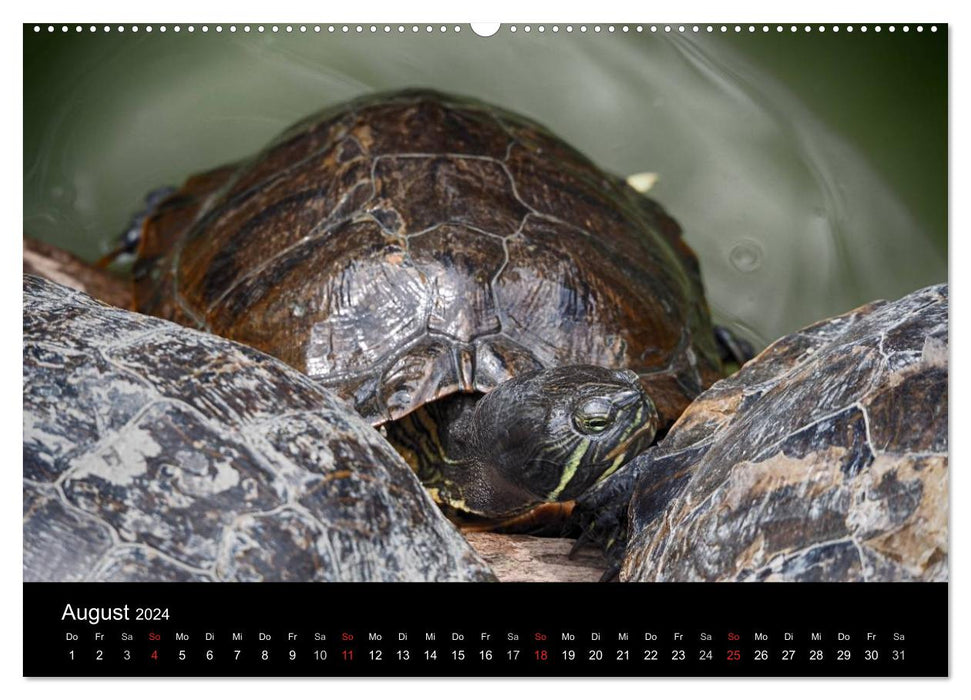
(582, 541)
(611, 574)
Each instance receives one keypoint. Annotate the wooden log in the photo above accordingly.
(58, 265)
(529, 558)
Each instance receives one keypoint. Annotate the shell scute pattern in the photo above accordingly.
(824, 458)
(406, 246)
(154, 452)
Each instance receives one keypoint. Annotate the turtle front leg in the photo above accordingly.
(129, 240)
(601, 515)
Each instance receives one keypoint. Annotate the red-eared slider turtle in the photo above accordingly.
(155, 452)
(416, 251)
(825, 458)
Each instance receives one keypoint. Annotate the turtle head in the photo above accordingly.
(549, 435)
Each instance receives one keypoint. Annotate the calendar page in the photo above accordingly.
(590, 349)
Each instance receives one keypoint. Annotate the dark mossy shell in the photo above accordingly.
(407, 246)
(155, 452)
(824, 459)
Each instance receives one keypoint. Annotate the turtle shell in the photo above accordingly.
(155, 452)
(408, 246)
(824, 459)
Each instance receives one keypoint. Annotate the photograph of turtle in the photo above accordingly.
(420, 336)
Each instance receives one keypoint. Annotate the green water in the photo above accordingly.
(809, 172)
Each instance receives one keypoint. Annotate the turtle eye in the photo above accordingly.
(593, 416)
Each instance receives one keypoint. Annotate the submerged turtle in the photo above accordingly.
(825, 458)
(417, 252)
(154, 452)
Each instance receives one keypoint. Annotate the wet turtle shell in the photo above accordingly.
(155, 452)
(409, 246)
(824, 459)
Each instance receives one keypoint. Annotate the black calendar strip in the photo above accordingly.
(485, 629)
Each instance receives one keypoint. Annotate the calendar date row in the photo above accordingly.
(431, 655)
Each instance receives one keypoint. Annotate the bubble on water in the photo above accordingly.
(746, 256)
(62, 193)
